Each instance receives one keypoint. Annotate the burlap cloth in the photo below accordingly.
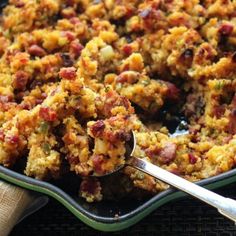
(13, 204)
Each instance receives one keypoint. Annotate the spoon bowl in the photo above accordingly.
(129, 151)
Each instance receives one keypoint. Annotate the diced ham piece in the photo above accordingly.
(74, 20)
(114, 100)
(21, 79)
(167, 154)
(173, 92)
(192, 158)
(19, 4)
(72, 159)
(97, 161)
(226, 29)
(75, 48)
(69, 35)
(232, 122)
(5, 99)
(117, 136)
(68, 73)
(218, 111)
(127, 49)
(2, 135)
(152, 153)
(47, 114)
(232, 117)
(70, 2)
(37, 51)
(90, 186)
(98, 128)
(12, 139)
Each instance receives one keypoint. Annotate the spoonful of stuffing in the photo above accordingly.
(225, 206)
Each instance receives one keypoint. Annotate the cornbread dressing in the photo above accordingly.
(76, 76)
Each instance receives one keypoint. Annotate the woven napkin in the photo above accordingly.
(13, 202)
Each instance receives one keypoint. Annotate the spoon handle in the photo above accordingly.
(225, 206)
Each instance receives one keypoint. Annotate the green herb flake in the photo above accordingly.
(43, 128)
(219, 85)
(46, 148)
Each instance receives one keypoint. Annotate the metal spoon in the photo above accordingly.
(225, 206)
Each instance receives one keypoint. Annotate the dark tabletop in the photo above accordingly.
(180, 218)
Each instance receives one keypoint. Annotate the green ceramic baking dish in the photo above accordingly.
(106, 215)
